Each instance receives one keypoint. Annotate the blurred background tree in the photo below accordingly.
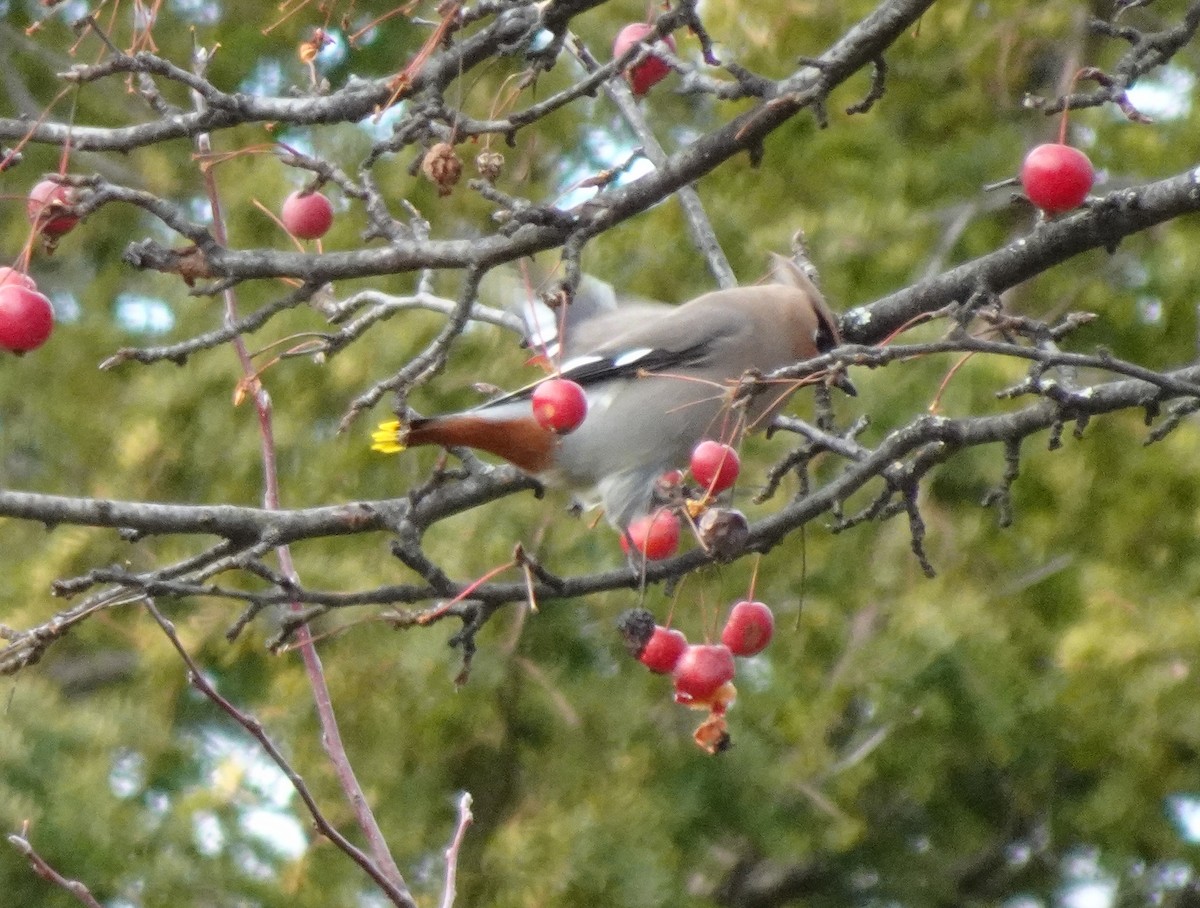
(1022, 729)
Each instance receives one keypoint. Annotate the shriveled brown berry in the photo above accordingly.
(636, 627)
(442, 167)
(723, 532)
(489, 164)
(712, 735)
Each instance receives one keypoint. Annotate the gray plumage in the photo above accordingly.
(661, 379)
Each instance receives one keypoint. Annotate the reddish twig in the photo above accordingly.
(465, 818)
(330, 734)
(398, 894)
(43, 869)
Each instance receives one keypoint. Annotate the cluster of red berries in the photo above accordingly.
(702, 672)
(26, 316)
(715, 467)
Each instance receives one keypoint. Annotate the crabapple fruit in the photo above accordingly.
(26, 318)
(306, 215)
(11, 277)
(45, 209)
(701, 672)
(715, 466)
(749, 628)
(1057, 178)
(559, 405)
(663, 650)
(652, 70)
(656, 536)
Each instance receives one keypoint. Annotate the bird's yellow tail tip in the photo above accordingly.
(388, 438)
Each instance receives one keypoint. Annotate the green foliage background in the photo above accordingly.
(1021, 723)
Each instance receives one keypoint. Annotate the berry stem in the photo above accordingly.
(437, 612)
(64, 159)
(1062, 125)
(754, 576)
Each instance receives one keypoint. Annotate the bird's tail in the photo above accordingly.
(517, 439)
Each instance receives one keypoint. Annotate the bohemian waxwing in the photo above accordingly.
(655, 388)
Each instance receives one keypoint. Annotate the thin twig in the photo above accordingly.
(465, 818)
(330, 734)
(43, 869)
(398, 894)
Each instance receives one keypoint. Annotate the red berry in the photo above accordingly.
(559, 405)
(715, 466)
(26, 318)
(663, 649)
(307, 216)
(650, 71)
(1057, 177)
(15, 278)
(701, 671)
(45, 208)
(656, 536)
(749, 628)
